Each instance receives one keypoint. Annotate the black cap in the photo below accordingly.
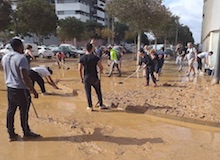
(15, 43)
(50, 70)
(141, 50)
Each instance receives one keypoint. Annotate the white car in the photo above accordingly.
(72, 48)
(44, 51)
(53, 47)
(8, 48)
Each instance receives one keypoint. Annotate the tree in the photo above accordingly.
(120, 30)
(106, 33)
(136, 13)
(36, 17)
(185, 35)
(70, 28)
(161, 25)
(5, 12)
(92, 30)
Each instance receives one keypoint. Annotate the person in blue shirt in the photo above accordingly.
(19, 87)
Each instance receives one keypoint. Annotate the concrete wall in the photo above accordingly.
(211, 27)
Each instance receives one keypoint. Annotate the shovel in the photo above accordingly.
(121, 82)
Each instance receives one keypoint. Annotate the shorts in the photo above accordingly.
(190, 62)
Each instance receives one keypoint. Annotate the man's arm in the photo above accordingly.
(51, 82)
(100, 66)
(196, 54)
(80, 67)
(26, 79)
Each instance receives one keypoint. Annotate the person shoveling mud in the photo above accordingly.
(38, 73)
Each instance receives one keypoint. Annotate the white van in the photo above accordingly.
(34, 48)
(8, 48)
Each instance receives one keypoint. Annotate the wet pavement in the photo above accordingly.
(176, 120)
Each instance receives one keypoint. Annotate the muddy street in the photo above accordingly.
(179, 119)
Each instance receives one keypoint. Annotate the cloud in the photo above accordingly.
(190, 13)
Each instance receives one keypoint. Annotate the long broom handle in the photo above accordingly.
(35, 111)
(132, 74)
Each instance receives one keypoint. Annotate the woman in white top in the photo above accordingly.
(191, 57)
(28, 53)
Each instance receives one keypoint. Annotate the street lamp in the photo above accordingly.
(177, 30)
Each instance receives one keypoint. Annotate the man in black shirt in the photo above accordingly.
(149, 65)
(90, 62)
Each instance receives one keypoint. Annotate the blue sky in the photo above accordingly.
(190, 13)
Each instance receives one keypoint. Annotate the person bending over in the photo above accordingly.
(38, 73)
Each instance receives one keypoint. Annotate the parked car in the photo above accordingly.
(69, 50)
(53, 47)
(34, 48)
(6, 49)
(44, 51)
(1, 55)
(169, 52)
(1, 45)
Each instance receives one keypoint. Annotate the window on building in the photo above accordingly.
(60, 1)
(69, 12)
(60, 12)
(67, 1)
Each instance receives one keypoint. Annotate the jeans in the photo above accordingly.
(150, 72)
(35, 77)
(18, 98)
(179, 62)
(199, 60)
(96, 85)
(112, 66)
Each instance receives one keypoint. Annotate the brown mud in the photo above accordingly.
(179, 119)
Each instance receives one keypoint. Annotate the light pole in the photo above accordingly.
(177, 30)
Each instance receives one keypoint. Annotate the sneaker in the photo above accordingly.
(103, 107)
(154, 85)
(201, 73)
(45, 93)
(31, 135)
(13, 137)
(89, 109)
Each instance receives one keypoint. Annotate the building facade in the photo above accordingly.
(211, 27)
(81, 9)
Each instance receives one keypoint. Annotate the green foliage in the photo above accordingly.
(37, 17)
(70, 28)
(5, 14)
(136, 13)
(105, 33)
(120, 30)
(185, 35)
(130, 36)
(92, 30)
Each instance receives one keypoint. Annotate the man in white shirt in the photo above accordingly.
(203, 55)
(191, 57)
(38, 73)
